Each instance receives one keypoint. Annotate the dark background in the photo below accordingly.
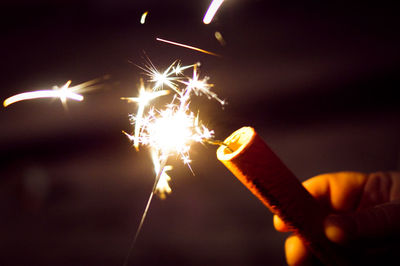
(317, 79)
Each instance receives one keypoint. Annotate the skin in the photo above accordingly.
(365, 216)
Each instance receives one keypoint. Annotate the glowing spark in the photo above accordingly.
(188, 46)
(145, 97)
(219, 38)
(143, 17)
(160, 79)
(212, 9)
(62, 93)
(200, 87)
(178, 69)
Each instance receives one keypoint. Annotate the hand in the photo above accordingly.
(365, 215)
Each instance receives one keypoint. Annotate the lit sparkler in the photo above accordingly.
(172, 130)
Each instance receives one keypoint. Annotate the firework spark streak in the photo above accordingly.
(143, 17)
(63, 93)
(212, 9)
(173, 129)
(188, 46)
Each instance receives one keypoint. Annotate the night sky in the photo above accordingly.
(318, 80)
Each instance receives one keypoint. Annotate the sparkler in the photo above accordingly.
(173, 129)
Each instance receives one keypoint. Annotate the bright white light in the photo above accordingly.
(172, 130)
(62, 93)
(143, 17)
(162, 187)
(212, 9)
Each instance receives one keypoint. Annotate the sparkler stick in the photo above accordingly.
(264, 174)
(188, 46)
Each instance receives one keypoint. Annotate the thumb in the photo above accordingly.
(381, 222)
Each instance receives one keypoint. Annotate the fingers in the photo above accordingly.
(368, 226)
(297, 252)
(280, 225)
(370, 207)
(337, 191)
(380, 188)
(376, 217)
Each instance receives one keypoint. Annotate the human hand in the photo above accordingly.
(365, 215)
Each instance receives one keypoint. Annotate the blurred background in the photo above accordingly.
(317, 79)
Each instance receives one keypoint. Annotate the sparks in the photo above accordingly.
(200, 87)
(172, 130)
(188, 46)
(144, 98)
(212, 9)
(162, 187)
(160, 79)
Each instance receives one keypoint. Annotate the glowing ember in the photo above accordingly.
(219, 38)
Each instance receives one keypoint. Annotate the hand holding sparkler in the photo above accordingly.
(249, 158)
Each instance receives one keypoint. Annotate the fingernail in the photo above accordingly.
(338, 228)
